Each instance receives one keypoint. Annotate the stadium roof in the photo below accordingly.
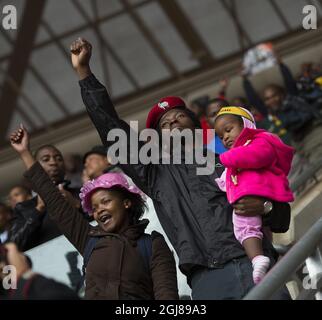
(139, 44)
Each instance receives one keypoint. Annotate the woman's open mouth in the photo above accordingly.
(105, 218)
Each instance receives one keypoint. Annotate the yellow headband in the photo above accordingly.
(236, 111)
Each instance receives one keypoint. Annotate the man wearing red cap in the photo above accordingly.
(163, 107)
(192, 210)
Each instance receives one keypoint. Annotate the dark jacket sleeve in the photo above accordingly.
(41, 288)
(289, 81)
(24, 226)
(163, 268)
(279, 219)
(253, 97)
(104, 117)
(69, 220)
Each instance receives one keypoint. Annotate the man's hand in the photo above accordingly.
(277, 56)
(85, 177)
(69, 197)
(40, 205)
(224, 84)
(249, 206)
(20, 140)
(81, 51)
(17, 259)
(242, 71)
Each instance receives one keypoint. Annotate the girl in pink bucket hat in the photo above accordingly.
(122, 261)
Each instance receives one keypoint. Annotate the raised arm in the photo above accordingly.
(30, 285)
(69, 220)
(223, 88)
(102, 112)
(253, 97)
(289, 81)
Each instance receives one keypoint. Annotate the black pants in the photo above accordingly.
(231, 282)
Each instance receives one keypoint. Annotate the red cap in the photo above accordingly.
(162, 107)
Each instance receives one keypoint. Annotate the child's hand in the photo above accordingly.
(20, 140)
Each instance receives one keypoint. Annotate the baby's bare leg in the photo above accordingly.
(253, 247)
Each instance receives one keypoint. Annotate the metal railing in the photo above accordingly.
(289, 264)
(305, 251)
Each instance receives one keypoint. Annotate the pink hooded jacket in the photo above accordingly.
(258, 164)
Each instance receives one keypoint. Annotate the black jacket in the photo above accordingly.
(31, 228)
(297, 116)
(192, 210)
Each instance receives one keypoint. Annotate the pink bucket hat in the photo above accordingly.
(105, 181)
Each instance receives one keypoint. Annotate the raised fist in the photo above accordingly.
(20, 140)
(81, 51)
